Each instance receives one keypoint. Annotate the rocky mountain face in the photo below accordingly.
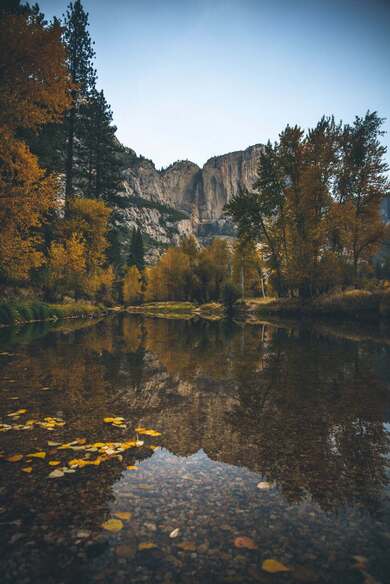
(183, 198)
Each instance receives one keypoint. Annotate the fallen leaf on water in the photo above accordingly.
(113, 525)
(18, 413)
(27, 469)
(146, 546)
(14, 458)
(273, 566)
(131, 467)
(37, 455)
(187, 546)
(142, 430)
(56, 474)
(51, 443)
(264, 485)
(174, 533)
(245, 542)
(54, 462)
(125, 515)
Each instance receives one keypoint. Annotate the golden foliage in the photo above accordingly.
(77, 258)
(132, 286)
(26, 194)
(34, 82)
(67, 264)
(33, 91)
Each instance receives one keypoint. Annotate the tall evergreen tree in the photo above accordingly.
(83, 76)
(100, 166)
(137, 257)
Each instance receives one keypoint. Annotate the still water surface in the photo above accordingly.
(302, 408)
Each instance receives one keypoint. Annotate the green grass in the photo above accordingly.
(164, 307)
(23, 312)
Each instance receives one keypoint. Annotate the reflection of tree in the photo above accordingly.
(313, 418)
(304, 409)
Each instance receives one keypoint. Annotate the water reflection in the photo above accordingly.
(297, 406)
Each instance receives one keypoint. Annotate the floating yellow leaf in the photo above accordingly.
(264, 486)
(54, 462)
(132, 467)
(116, 420)
(18, 413)
(51, 443)
(142, 430)
(273, 566)
(125, 515)
(37, 455)
(146, 546)
(56, 474)
(27, 469)
(113, 525)
(14, 458)
(129, 444)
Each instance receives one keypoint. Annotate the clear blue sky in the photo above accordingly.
(196, 78)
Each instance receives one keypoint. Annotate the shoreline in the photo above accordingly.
(352, 305)
(20, 313)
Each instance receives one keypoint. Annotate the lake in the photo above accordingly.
(193, 451)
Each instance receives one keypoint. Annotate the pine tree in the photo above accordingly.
(83, 76)
(100, 166)
(137, 257)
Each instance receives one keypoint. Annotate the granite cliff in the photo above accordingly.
(182, 198)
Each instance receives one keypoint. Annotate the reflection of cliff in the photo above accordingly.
(304, 409)
(305, 412)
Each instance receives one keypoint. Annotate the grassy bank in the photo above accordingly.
(176, 309)
(14, 313)
(351, 304)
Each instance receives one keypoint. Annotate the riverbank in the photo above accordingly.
(16, 313)
(176, 309)
(351, 304)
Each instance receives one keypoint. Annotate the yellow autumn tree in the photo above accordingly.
(67, 266)
(26, 194)
(34, 88)
(156, 288)
(88, 218)
(85, 223)
(132, 286)
(99, 285)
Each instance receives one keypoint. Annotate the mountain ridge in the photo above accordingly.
(183, 198)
